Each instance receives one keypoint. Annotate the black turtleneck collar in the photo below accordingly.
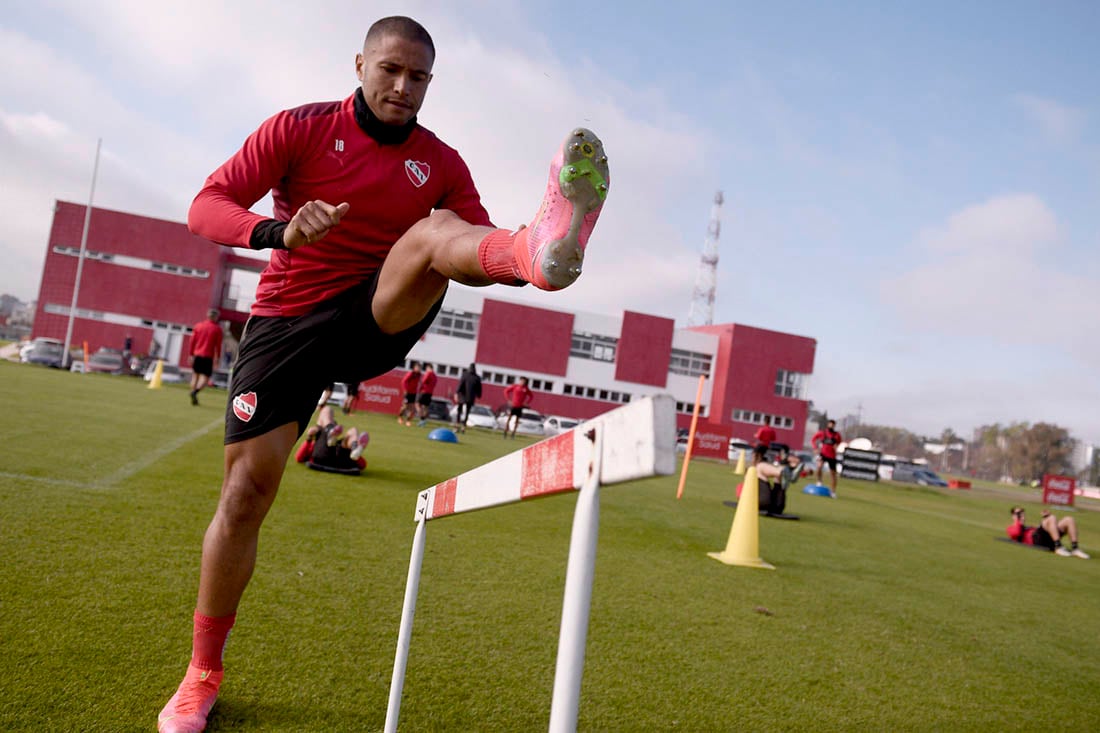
(382, 133)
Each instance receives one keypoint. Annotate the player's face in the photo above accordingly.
(394, 73)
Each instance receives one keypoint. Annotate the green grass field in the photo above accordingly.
(891, 609)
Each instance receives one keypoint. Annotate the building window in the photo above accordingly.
(789, 384)
(590, 346)
(780, 422)
(689, 363)
(688, 408)
(458, 324)
(135, 262)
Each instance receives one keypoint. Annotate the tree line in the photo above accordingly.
(1019, 452)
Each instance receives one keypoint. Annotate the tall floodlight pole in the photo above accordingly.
(80, 258)
(706, 281)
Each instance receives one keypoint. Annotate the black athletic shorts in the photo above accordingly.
(283, 363)
(410, 398)
(202, 365)
(830, 462)
(517, 411)
(425, 399)
(1041, 538)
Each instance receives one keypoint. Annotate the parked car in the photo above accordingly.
(913, 474)
(439, 409)
(480, 417)
(108, 361)
(169, 374)
(220, 379)
(530, 422)
(42, 350)
(556, 424)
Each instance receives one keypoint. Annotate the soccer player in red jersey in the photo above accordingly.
(373, 217)
(519, 395)
(825, 442)
(206, 347)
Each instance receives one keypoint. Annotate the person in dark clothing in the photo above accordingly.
(467, 394)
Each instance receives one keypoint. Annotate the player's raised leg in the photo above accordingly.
(548, 253)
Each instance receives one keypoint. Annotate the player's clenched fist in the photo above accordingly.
(312, 222)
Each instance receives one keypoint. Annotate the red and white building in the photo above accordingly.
(150, 279)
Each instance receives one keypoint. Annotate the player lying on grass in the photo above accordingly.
(1048, 534)
(330, 447)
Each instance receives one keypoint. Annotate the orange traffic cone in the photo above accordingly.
(743, 547)
(158, 375)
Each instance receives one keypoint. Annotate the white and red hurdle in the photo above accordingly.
(635, 441)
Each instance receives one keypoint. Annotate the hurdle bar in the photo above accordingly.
(635, 441)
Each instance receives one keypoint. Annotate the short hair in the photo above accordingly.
(1015, 509)
(213, 313)
(402, 27)
(830, 422)
(427, 365)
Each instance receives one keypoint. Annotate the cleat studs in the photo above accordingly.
(571, 170)
(575, 147)
(575, 271)
(552, 264)
(603, 158)
(578, 132)
(602, 187)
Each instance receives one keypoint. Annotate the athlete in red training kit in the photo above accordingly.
(829, 440)
(373, 217)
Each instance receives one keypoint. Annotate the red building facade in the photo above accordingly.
(150, 280)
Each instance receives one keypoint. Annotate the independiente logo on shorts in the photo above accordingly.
(244, 406)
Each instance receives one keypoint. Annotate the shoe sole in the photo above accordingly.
(583, 181)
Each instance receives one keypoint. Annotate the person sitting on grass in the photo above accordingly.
(773, 479)
(1048, 534)
(330, 447)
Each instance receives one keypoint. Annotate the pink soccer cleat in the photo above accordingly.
(186, 711)
(550, 251)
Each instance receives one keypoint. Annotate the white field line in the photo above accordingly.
(124, 472)
(152, 457)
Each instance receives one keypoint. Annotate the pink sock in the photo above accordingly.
(497, 258)
(208, 641)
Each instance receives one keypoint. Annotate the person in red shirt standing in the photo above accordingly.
(1048, 534)
(519, 395)
(373, 217)
(765, 436)
(206, 347)
(427, 389)
(829, 439)
(410, 385)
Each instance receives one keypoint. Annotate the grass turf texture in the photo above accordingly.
(892, 608)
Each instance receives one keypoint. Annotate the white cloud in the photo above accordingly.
(1058, 122)
(995, 272)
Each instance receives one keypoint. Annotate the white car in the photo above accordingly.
(556, 424)
(480, 417)
(530, 422)
(170, 374)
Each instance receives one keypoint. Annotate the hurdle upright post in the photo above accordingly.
(404, 634)
(580, 571)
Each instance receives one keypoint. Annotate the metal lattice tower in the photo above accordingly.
(706, 281)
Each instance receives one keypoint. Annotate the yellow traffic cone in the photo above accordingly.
(743, 547)
(158, 375)
(740, 469)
